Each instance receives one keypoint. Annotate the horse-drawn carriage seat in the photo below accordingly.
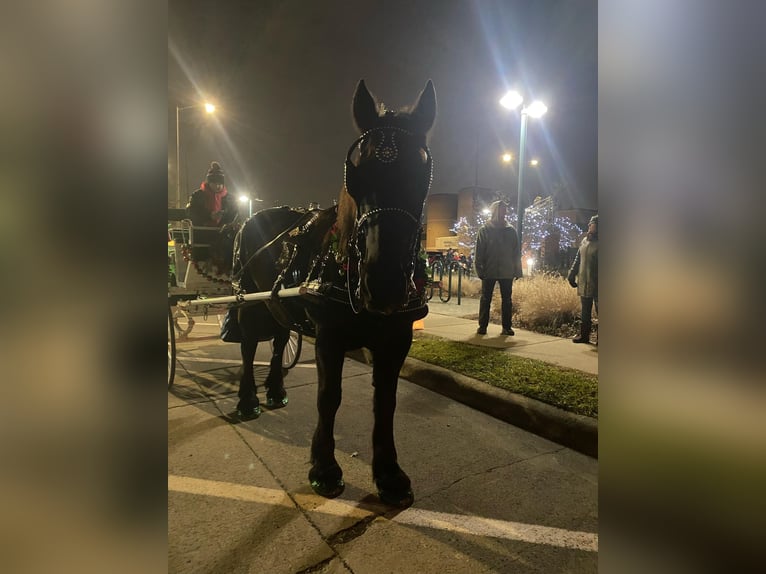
(201, 241)
(209, 246)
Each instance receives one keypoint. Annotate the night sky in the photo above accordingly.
(283, 74)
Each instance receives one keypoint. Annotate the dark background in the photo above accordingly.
(283, 75)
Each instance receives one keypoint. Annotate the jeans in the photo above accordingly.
(506, 290)
(587, 309)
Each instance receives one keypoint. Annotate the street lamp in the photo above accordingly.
(536, 109)
(209, 108)
(244, 198)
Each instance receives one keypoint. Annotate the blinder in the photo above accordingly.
(386, 153)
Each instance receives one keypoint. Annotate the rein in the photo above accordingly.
(301, 223)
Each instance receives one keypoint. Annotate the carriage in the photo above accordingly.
(199, 284)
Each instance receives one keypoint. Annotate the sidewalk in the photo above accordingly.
(447, 320)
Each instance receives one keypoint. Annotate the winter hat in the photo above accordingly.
(215, 173)
(594, 220)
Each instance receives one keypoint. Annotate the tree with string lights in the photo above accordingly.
(544, 233)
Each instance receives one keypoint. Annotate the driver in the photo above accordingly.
(211, 205)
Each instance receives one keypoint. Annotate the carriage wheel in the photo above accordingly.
(183, 323)
(171, 347)
(292, 351)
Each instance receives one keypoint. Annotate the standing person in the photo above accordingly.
(211, 205)
(583, 274)
(498, 259)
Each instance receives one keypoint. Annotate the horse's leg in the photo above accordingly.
(248, 405)
(392, 482)
(326, 476)
(276, 396)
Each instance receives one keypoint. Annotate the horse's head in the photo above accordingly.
(388, 174)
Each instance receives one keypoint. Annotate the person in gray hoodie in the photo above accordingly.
(583, 275)
(498, 260)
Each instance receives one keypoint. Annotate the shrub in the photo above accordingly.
(543, 302)
(470, 287)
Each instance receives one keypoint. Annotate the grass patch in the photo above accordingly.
(568, 389)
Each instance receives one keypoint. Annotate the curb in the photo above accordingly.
(574, 431)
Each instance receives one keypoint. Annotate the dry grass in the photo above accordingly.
(543, 303)
(470, 287)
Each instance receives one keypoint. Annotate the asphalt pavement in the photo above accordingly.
(489, 496)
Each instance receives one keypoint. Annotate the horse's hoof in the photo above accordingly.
(396, 498)
(276, 403)
(249, 412)
(330, 489)
(394, 489)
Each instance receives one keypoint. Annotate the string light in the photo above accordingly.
(540, 223)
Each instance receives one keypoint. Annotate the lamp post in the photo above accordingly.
(536, 109)
(249, 199)
(246, 199)
(209, 108)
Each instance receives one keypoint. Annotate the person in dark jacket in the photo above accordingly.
(583, 274)
(211, 205)
(498, 260)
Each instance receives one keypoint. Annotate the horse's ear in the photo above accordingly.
(364, 108)
(424, 112)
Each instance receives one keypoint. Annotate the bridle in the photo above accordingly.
(387, 153)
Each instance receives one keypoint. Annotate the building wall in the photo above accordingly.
(465, 201)
(441, 214)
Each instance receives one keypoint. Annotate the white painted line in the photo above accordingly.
(459, 523)
(478, 526)
(228, 490)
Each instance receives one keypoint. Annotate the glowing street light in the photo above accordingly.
(507, 158)
(536, 109)
(511, 100)
(246, 198)
(534, 162)
(209, 108)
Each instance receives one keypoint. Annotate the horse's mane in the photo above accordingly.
(345, 221)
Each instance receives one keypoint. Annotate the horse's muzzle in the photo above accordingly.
(386, 298)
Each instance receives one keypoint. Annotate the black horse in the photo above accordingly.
(357, 265)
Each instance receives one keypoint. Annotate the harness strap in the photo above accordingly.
(302, 223)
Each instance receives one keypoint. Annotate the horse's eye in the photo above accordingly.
(423, 155)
